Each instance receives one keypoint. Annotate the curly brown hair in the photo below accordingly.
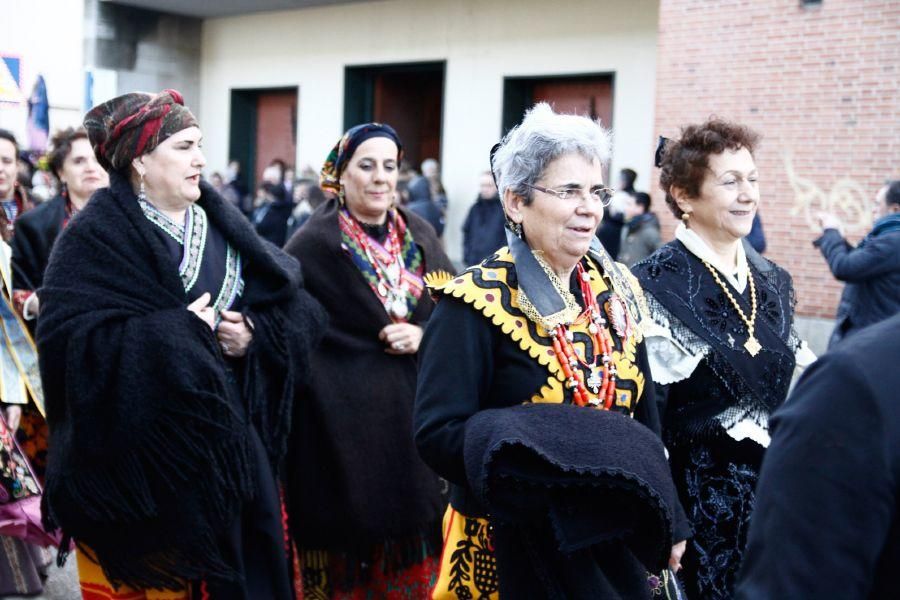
(61, 145)
(685, 161)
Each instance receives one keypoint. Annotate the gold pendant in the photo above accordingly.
(752, 345)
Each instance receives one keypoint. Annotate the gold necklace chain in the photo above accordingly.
(752, 344)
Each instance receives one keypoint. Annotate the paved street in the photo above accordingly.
(62, 584)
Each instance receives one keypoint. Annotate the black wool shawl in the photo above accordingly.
(149, 456)
(354, 476)
(582, 501)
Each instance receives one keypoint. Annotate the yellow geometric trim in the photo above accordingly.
(514, 324)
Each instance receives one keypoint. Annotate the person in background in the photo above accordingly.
(484, 230)
(826, 522)
(217, 182)
(757, 237)
(610, 230)
(640, 233)
(422, 203)
(308, 196)
(871, 270)
(23, 566)
(236, 189)
(273, 206)
(72, 161)
(431, 170)
(364, 509)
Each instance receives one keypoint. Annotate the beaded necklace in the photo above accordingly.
(390, 288)
(602, 379)
(752, 344)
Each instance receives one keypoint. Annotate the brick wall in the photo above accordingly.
(820, 83)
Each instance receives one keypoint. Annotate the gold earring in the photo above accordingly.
(685, 217)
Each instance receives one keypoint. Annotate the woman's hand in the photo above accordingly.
(234, 334)
(13, 417)
(675, 558)
(401, 338)
(202, 309)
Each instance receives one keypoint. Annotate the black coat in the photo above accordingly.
(827, 517)
(484, 231)
(36, 231)
(354, 477)
(149, 461)
(872, 275)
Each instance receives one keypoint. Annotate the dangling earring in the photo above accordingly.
(516, 228)
(64, 190)
(685, 218)
(142, 191)
(340, 196)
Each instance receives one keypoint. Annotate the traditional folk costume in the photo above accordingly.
(22, 564)
(507, 332)
(164, 451)
(364, 508)
(724, 346)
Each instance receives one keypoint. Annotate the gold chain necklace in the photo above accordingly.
(752, 344)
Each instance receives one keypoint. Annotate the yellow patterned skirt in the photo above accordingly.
(468, 567)
(95, 585)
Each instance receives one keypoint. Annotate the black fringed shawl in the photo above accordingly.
(728, 377)
(148, 457)
(581, 500)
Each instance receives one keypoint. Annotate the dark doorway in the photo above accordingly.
(588, 95)
(263, 127)
(409, 97)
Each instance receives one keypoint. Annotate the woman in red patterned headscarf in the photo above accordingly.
(171, 339)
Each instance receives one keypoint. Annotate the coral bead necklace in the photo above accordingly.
(602, 379)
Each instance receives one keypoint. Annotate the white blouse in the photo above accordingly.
(672, 361)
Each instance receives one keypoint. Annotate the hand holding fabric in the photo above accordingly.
(202, 309)
(401, 338)
(677, 552)
(234, 334)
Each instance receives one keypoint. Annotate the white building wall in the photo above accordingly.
(481, 42)
(48, 36)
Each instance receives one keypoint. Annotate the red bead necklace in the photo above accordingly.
(390, 288)
(602, 380)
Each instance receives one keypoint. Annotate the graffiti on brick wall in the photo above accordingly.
(846, 198)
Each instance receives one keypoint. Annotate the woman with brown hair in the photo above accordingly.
(721, 340)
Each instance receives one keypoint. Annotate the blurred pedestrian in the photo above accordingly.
(826, 522)
(431, 170)
(422, 203)
(273, 209)
(484, 230)
(757, 237)
(721, 342)
(308, 196)
(14, 198)
(610, 230)
(23, 565)
(871, 270)
(364, 508)
(640, 232)
(171, 341)
(72, 161)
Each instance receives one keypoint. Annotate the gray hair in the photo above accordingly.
(542, 137)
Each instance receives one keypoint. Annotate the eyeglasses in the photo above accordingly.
(601, 194)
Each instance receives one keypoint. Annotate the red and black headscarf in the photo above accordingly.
(134, 124)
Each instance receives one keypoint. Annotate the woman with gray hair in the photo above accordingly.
(548, 497)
